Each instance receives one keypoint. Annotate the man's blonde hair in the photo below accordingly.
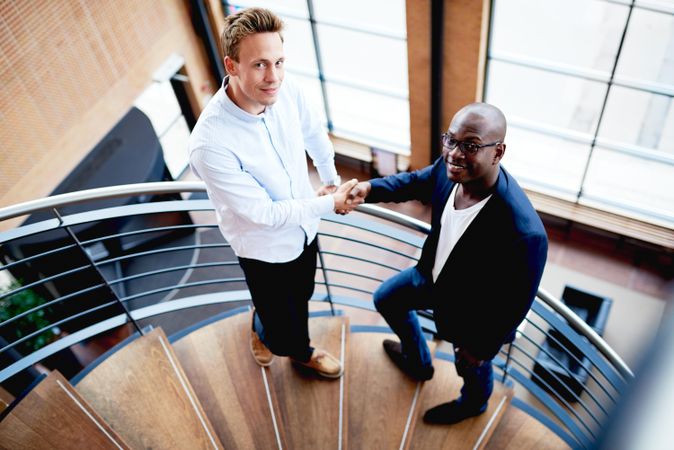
(244, 23)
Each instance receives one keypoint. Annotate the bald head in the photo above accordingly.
(473, 147)
(488, 117)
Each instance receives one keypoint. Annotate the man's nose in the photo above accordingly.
(454, 153)
(272, 74)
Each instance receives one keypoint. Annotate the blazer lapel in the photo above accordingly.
(444, 189)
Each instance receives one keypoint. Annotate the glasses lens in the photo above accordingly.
(449, 142)
(469, 147)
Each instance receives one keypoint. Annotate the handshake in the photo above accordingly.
(347, 196)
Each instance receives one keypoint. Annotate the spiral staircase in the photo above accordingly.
(200, 387)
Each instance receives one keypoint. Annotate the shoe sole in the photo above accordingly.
(330, 376)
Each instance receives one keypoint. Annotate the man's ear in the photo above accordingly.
(230, 66)
(500, 151)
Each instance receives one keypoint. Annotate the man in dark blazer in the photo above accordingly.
(480, 266)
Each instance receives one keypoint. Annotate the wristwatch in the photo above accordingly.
(334, 182)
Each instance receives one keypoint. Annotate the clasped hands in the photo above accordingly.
(347, 196)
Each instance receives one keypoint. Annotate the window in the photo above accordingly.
(354, 66)
(590, 119)
(158, 102)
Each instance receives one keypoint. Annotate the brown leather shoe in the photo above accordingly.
(263, 356)
(324, 364)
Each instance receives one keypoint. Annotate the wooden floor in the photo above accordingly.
(54, 416)
(149, 395)
(5, 399)
(142, 392)
(513, 430)
(473, 433)
(232, 388)
(519, 431)
(383, 401)
(311, 408)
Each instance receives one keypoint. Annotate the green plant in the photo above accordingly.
(18, 303)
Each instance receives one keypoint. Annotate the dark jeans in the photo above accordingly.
(281, 293)
(397, 300)
(478, 383)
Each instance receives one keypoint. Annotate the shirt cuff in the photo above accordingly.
(337, 181)
(326, 204)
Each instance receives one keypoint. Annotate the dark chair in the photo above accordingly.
(570, 374)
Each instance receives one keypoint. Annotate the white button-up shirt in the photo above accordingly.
(256, 174)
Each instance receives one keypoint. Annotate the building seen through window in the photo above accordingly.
(587, 87)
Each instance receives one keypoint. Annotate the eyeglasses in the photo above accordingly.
(467, 148)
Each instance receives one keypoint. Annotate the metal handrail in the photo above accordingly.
(571, 355)
(587, 331)
(172, 187)
(547, 307)
(541, 348)
(122, 190)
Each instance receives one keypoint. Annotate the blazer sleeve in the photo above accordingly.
(417, 185)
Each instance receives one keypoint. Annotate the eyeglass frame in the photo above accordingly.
(460, 144)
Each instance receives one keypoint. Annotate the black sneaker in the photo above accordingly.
(394, 351)
(452, 412)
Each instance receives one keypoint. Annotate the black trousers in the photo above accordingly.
(281, 293)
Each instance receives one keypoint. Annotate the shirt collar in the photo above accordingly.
(234, 110)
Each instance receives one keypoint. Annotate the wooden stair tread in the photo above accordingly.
(6, 399)
(471, 433)
(53, 415)
(519, 431)
(142, 392)
(381, 398)
(310, 407)
(229, 383)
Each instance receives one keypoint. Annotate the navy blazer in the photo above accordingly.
(491, 276)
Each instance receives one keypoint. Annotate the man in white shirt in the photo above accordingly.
(249, 148)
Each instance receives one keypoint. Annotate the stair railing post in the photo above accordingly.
(100, 274)
(325, 275)
(507, 363)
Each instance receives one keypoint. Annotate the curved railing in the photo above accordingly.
(86, 271)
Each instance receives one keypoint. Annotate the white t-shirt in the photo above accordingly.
(453, 224)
